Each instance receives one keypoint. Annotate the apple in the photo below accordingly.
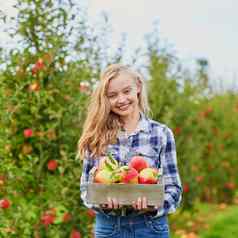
(128, 175)
(103, 176)
(138, 163)
(5, 203)
(118, 173)
(28, 133)
(75, 234)
(148, 176)
(186, 188)
(52, 165)
(39, 65)
(34, 87)
(48, 218)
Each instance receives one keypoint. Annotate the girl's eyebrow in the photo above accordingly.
(127, 87)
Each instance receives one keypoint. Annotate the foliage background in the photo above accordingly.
(45, 84)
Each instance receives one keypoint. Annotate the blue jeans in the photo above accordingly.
(108, 226)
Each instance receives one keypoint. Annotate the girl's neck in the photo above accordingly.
(130, 123)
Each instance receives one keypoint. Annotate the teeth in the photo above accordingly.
(124, 107)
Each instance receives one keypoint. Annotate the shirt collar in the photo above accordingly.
(143, 125)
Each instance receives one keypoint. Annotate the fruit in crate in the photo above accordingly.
(103, 176)
(137, 171)
(109, 163)
(149, 176)
(105, 172)
(126, 182)
(128, 175)
(138, 163)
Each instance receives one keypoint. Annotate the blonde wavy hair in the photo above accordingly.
(101, 125)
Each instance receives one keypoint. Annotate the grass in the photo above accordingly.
(209, 221)
(224, 225)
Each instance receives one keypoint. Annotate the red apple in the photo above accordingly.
(47, 219)
(28, 133)
(5, 203)
(103, 176)
(34, 70)
(138, 163)
(39, 65)
(148, 176)
(129, 175)
(52, 165)
(186, 188)
(75, 234)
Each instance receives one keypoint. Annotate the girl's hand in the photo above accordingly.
(113, 203)
(140, 204)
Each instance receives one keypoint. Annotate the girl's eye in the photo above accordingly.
(112, 96)
(127, 91)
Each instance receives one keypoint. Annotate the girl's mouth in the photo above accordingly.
(124, 107)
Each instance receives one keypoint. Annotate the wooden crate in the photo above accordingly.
(126, 193)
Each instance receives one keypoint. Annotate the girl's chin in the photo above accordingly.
(124, 112)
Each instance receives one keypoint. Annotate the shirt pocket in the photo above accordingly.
(149, 154)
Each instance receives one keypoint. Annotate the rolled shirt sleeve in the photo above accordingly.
(87, 166)
(172, 181)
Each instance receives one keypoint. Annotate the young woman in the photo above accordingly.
(117, 122)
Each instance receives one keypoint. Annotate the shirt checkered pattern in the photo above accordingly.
(154, 141)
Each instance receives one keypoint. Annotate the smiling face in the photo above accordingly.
(122, 94)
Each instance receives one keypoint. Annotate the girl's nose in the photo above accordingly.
(121, 99)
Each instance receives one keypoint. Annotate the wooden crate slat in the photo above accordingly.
(125, 193)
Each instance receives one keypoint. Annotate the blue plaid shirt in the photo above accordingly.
(155, 142)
